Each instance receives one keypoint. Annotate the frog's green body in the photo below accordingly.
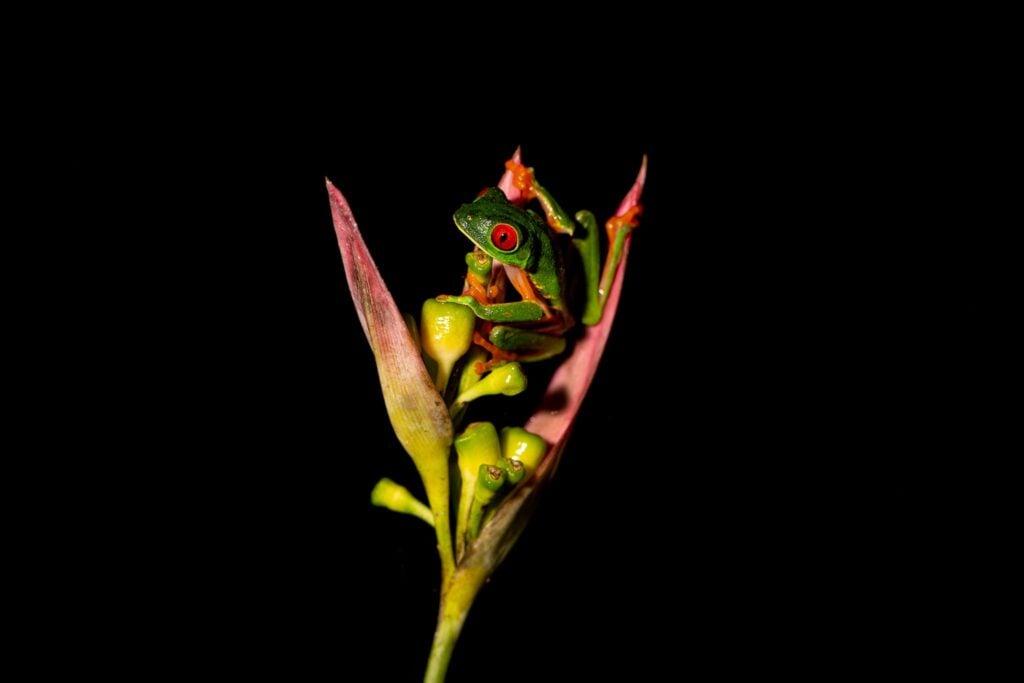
(534, 253)
(534, 259)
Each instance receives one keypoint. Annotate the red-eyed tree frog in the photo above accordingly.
(534, 257)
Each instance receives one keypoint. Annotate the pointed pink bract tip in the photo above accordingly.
(418, 414)
(632, 197)
(512, 193)
(570, 382)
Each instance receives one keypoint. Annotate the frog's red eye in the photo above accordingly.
(504, 237)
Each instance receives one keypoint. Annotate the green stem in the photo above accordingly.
(456, 598)
(443, 527)
(436, 485)
(476, 516)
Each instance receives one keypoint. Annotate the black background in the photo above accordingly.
(672, 518)
(214, 410)
(692, 513)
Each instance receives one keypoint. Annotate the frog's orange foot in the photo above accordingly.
(497, 355)
(628, 220)
(476, 289)
(522, 178)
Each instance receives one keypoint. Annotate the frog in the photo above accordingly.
(534, 255)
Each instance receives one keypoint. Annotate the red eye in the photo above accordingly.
(504, 237)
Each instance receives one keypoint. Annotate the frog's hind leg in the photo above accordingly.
(521, 281)
(525, 345)
(498, 354)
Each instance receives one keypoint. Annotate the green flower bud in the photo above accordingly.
(394, 497)
(446, 332)
(526, 447)
(489, 481)
(468, 377)
(515, 470)
(507, 379)
(477, 446)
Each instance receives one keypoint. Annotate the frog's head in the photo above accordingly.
(500, 228)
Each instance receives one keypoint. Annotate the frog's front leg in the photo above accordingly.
(598, 285)
(532, 308)
(525, 182)
(511, 312)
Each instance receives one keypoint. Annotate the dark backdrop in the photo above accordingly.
(681, 523)
(652, 534)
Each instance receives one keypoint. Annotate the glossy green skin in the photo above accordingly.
(540, 257)
(534, 253)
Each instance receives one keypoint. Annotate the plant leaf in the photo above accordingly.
(418, 414)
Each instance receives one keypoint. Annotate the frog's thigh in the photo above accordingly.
(525, 344)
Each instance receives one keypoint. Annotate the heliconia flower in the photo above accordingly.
(421, 419)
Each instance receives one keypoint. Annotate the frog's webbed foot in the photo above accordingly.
(498, 355)
(522, 177)
(484, 282)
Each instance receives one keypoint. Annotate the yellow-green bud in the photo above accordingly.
(397, 498)
(477, 446)
(507, 379)
(515, 470)
(488, 483)
(446, 332)
(468, 377)
(526, 447)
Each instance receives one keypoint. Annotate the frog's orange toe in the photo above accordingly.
(630, 220)
(522, 177)
(497, 355)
